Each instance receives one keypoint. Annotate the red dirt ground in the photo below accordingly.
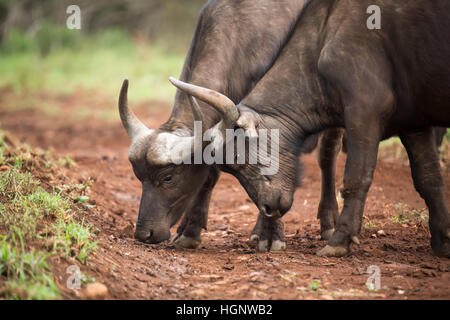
(226, 265)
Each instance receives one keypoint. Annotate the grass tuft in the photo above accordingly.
(74, 238)
(31, 217)
(27, 272)
(407, 215)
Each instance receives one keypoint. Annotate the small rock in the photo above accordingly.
(95, 291)
(373, 235)
(381, 233)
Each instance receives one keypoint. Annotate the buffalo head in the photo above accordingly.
(271, 190)
(167, 188)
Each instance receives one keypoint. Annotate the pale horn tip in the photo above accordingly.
(173, 80)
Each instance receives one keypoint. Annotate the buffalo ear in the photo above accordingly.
(249, 121)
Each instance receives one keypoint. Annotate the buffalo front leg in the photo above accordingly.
(328, 212)
(426, 173)
(195, 218)
(362, 149)
(269, 234)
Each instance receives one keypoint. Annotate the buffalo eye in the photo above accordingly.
(168, 179)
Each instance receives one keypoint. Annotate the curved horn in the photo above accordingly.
(131, 123)
(217, 100)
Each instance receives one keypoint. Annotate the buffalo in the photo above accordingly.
(334, 72)
(235, 43)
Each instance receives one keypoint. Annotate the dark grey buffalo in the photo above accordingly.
(335, 72)
(235, 43)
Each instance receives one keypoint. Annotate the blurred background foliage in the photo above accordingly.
(145, 40)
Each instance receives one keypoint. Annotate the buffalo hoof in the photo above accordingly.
(278, 245)
(254, 237)
(269, 234)
(186, 242)
(441, 245)
(330, 251)
(263, 246)
(326, 235)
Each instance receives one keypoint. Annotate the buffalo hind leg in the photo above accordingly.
(195, 218)
(328, 212)
(269, 234)
(426, 173)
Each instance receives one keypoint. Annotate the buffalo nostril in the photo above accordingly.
(269, 213)
(274, 215)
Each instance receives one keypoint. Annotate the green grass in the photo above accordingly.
(29, 205)
(370, 225)
(407, 215)
(14, 183)
(314, 285)
(73, 238)
(49, 202)
(393, 148)
(66, 162)
(27, 272)
(23, 214)
(36, 223)
(61, 61)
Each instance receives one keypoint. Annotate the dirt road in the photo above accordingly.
(226, 265)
